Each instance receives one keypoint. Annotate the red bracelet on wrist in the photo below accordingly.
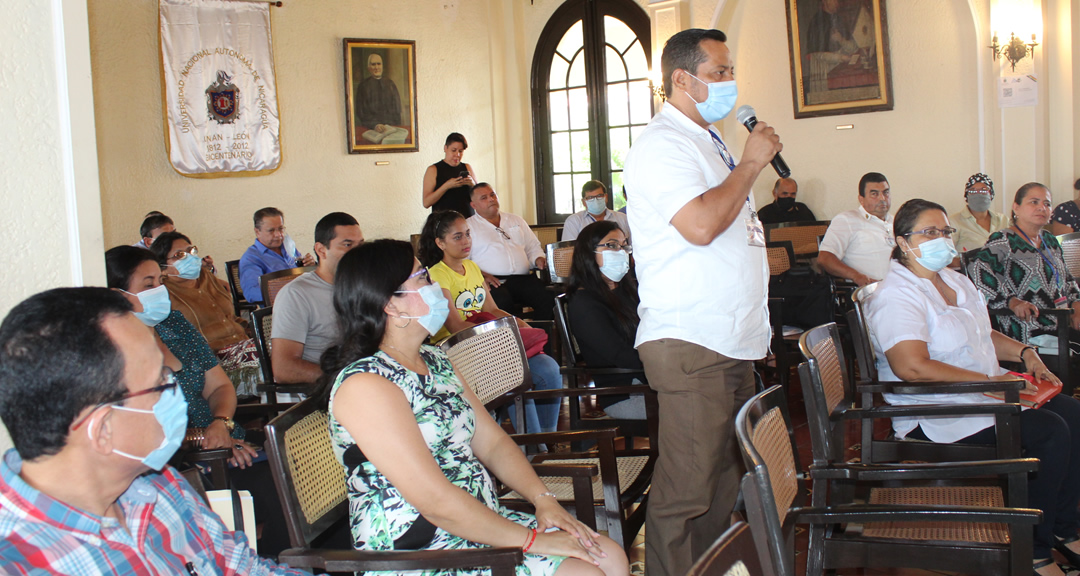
(529, 540)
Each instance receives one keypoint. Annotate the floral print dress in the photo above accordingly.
(379, 517)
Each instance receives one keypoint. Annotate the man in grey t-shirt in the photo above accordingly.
(305, 324)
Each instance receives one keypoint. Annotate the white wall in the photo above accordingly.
(317, 176)
(50, 217)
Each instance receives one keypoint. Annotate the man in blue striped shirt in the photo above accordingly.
(94, 415)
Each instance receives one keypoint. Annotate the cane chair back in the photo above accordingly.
(802, 235)
(232, 271)
(733, 554)
(311, 486)
(826, 389)
(263, 322)
(878, 516)
(490, 357)
(273, 282)
(1070, 249)
(560, 256)
(547, 234)
(781, 257)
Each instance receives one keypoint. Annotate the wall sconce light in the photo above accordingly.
(1015, 50)
(656, 84)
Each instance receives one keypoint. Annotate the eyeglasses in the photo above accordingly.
(595, 197)
(503, 232)
(189, 251)
(422, 273)
(168, 377)
(933, 233)
(613, 245)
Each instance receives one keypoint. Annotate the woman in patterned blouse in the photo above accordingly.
(417, 444)
(1066, 216)
(1022, 269)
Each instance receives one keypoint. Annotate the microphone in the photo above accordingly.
(747, 117)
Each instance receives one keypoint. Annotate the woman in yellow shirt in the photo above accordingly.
(445, 245)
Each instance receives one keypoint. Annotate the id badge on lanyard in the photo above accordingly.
(755, 230)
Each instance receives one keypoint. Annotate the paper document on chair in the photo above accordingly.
(1046, 391)
(221, 504)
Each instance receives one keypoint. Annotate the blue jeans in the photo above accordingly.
(542, 415)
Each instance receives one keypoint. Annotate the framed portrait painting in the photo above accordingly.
(380, 95)
(839, 57)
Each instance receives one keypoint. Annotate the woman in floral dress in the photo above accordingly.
(417, 444)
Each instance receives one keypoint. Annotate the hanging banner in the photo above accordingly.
(218, 88)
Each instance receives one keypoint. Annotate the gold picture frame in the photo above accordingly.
(839, 57)
(380, 96)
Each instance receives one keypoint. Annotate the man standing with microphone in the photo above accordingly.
(700, 255)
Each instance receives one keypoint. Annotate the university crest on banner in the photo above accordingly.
(221, 99)
(219, 90)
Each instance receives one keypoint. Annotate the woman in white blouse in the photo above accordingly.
(928, 323)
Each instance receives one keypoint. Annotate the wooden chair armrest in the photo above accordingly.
(363, 560)
(863, 513)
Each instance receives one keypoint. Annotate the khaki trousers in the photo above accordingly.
(696, 480)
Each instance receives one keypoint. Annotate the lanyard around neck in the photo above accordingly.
(1038, 249)
(730, 162)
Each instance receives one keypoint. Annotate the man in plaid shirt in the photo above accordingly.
(94, 415)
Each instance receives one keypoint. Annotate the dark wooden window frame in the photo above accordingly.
(592, 13)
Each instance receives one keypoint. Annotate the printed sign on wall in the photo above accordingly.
(219, 90)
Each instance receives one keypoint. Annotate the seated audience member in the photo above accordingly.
(210, 396)
(418, 448)
(273, 250)
(594, 199)
(784, 208)
(153, 226)
(1023, 270)
(929, 323)
(976, 221)
(445, 245)
(448, 181)
(1067, 215)
(94, 415)
(603, 311)
(506, 248)
(858, 242)
(304, 321)
(205, 301)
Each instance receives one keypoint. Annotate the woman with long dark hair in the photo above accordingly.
(445, 244)
(602, 311)
(415, 441)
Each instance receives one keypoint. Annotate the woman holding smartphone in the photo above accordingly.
(448, 181)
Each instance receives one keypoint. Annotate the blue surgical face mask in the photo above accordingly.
(438, 307)
(155, 304)
(189, 267)
(616, 264)
(288, 248)
(595, 206)
(936, 253)
(719, 103)
(170, 411)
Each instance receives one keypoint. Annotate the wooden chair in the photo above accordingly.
(272, 283)
(484, 357)
(580, 376)
(891, 449)
(547, 233)
(899, 518)
(311, 486)
(491, 358)
(232, 270)
(733, 554)
(781, 257)
(1070, 248)
(802, 235)
(1060, 363)
(263, 321)
(560, 255)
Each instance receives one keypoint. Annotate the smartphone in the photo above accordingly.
(464, 174)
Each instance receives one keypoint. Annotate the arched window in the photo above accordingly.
(591, 98)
